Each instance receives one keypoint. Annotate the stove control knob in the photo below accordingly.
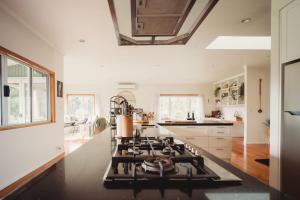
(196, 152)
(186, 146)
(192, 150)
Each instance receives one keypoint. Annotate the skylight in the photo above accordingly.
(241, 42)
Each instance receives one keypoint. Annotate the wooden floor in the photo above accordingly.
(244, 158)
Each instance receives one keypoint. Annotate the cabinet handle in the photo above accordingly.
(220, 149)
(220, 138)
(190, 127)
(220, 132)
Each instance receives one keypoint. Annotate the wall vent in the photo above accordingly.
(126, 85)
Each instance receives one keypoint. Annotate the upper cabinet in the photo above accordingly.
(290, 32)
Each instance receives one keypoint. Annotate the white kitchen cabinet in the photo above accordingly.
(220, 141)
(220, 131)
(198, 141)
(223, 153)
(189, 131)
(237, 129)
(215, 139)
(290, 32)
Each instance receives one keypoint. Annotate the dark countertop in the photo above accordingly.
(198, 123)
(79, 176)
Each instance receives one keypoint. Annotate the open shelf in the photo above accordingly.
(231, 91)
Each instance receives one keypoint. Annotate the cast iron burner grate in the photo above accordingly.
(152, 161)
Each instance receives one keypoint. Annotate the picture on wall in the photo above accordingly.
(60, 91)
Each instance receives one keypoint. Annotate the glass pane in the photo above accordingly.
(39, 96)
(18, 103)
(197, 107)
(164, 105)
(179, 107)
(80, 107)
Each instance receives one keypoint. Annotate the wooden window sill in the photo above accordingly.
(4, 128)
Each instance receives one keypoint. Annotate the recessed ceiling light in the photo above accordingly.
(241, 42)
(246, 20)
(101, 66)
(81, 40)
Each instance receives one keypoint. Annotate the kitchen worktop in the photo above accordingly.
(204, 122)
(79, 176)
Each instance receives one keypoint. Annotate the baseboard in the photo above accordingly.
(25, 179)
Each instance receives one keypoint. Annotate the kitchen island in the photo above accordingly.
(79, 176)
(211, 135)
(205, 122)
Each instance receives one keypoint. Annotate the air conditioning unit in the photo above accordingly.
(126, 85)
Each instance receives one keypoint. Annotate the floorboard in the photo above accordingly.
(243, 157)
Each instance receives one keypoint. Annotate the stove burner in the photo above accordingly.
(156, 142)
(167, 150)
(134, 151)
(158, 164)
(146, 159)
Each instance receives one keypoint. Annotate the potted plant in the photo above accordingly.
(238, 116)
(267, 124)
(99, 125)
(242, 90)
(217, 91)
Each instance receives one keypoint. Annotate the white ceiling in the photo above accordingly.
(63, 22)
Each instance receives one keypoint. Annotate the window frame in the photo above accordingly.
(74, 94)
(51, 89)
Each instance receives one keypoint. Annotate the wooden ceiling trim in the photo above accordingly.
(115, 20)
(209, 6)
(159, 15)
(124, 40)
(133, 17)
(181, 17)
(188, 8)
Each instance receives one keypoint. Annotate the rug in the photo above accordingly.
(263, 161)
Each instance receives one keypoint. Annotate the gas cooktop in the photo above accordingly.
(155, 161)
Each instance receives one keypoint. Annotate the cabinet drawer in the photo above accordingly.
(198, 141)
(221, 152)
(219, 141)
(194, 131)
(220, 131)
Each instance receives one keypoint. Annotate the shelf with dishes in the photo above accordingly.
(230, 91)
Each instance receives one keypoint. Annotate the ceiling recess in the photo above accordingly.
(160, 22)
(159, 18)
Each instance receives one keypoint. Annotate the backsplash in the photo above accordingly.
(229, 111)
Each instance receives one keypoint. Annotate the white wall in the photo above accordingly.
(275, 108)
(25, 149)
(255, 129)
(146, 95)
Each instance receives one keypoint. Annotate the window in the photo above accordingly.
(40, 96)
(17, 78)
(81, 106)
(177, 107)
(26, 96)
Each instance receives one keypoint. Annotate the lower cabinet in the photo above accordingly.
(221, 152)
(202, 142)
(215, 139)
